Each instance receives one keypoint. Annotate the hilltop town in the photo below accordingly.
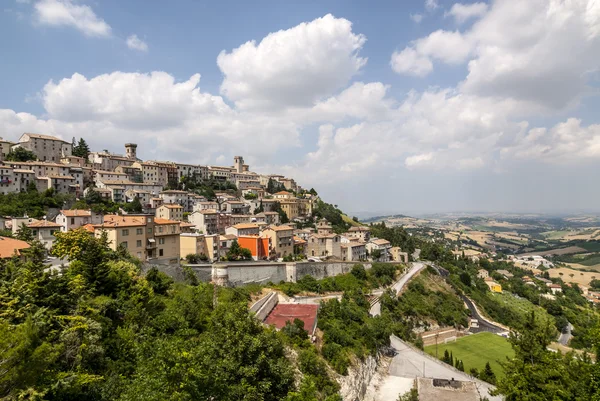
(164, 218)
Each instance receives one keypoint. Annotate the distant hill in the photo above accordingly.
(379, 218)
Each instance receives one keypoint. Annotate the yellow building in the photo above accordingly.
(171, 211)
(492, 285)
(290, 207)
(282, 240)
(166, 233)
(128, 231)
(144, 236)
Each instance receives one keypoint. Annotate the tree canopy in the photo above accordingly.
(20, 154)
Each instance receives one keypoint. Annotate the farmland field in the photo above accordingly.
(477, 349)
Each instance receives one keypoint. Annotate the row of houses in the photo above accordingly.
(158, 237)
(124, 177)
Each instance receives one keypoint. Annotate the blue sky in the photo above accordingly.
(487, 106)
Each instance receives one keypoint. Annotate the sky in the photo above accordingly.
(415, 106)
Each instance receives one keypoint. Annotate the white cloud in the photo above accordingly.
(416, 59)
(416, 160)
(410, 62)
(566, 142)
(416, 18)
(68, 13)
(169, 119)
(135, 43)
(294, 67)
(542, 51)
(464, 12)
(517, 51)
(431, 5)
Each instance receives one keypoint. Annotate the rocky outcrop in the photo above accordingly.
(363, 378)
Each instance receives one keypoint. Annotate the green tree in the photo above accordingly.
(135, 206)
(20, 154)
(535, 373)
(236, 252)
(81, 149)
(159, 281)
(24, 233)
(487, 374)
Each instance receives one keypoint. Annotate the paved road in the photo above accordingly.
(398, 285)
(565, 337)
(412, 363)
(483, 324)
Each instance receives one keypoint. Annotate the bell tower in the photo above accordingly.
(131, 151)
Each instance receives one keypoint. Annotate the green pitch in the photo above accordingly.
(475, 350)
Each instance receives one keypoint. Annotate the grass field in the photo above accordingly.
(477, 349)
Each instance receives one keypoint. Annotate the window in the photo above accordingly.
(161, 241)
(138, 243)
(125, 232)
(72, 220)
(160, 229)
(124, 244)
(139, 231)
(160, 252)
(149, 230)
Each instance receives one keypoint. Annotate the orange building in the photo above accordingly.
(259, 247)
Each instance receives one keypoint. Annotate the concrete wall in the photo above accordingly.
(321, 270)
(264, 306)
(242, 273)
(246, 273)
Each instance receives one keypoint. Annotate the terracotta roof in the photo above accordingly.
(380, 242)
(10, 246)
(208, 211)
(42, 224)
(186, 224)
(172, 206)
(88, 227)
(49, 137)
(165, 221)
(77, 213)
(354, 229)
(114, 221)
(281, 228)
(61, 177)
(245, 225)
(283, 193)
(283, 313)
(299, 240)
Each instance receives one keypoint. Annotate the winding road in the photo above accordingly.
(398, 285)
(484, 324)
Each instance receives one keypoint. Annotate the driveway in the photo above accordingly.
(398, 285)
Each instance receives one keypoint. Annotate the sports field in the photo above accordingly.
(477, 349)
